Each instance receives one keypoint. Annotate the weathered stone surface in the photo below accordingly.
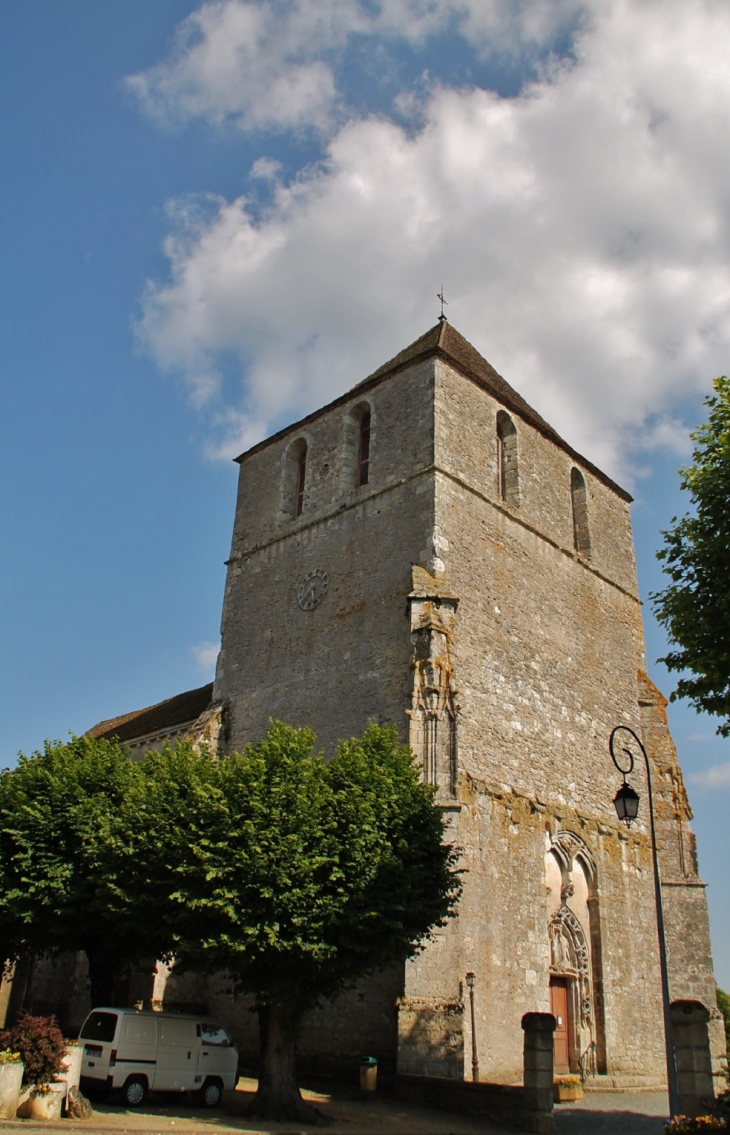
(520, 654)
(486, 601)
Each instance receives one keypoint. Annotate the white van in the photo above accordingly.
(139, 1052)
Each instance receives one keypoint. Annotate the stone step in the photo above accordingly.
(624, 1082)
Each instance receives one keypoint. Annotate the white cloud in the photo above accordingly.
(581, 231)
(206, 656)
(717, 776)
(273, 64)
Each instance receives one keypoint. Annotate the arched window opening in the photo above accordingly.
(579, 498)
(293, 480)
(363, 460)
(301, 477)
(507, 473)
(355, 462)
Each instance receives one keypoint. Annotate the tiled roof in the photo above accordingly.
(165, 715)
(444, 341)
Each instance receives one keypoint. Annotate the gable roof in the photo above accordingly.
(445, 342)
(179, 710)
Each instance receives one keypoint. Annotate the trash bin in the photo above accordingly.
(368, 1073)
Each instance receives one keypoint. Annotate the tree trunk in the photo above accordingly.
(278, 1096)
(102, 979)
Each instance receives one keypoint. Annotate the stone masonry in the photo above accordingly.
(477, 587)
(482, 594)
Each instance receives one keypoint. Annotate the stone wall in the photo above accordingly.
(505, 655)
(346, 661)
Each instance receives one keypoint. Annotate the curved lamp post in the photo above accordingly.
(626, 803)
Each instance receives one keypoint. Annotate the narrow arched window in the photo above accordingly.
(356, 453)
(507, 472)
(363, 459)
(301, 478)
(579, 499)
(293, 480)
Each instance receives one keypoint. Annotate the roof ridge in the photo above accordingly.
(444, 341)
(188, 705)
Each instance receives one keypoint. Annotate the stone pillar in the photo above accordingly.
(693, 1057)
(538, 1076)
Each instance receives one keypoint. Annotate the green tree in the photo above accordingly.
(723, 1004)
(695, 606)
(297, 875)
(63, 862)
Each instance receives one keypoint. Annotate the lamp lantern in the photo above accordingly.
(626, 803)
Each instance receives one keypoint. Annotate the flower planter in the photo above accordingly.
(70, 1077)
(23, 1111)
(46, 1106)
(11, 1076)
(567, 1091)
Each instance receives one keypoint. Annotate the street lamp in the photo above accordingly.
(626, 802)
(471, 981)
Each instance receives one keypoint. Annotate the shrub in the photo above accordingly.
(8, 1057)
(40, 1044)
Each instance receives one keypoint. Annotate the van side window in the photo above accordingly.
(99, 1026)
(180, 1032)
(214, 1034)
(139, 1030)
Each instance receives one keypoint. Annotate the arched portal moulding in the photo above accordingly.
(575, 948)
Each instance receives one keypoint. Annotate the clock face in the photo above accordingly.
(313, 589)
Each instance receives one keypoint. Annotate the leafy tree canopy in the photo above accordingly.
(303, 873)
(297, 875)
(62, 863)
(695, 606)
(293, 874)
(723, 1004)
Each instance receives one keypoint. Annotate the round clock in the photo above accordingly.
(313, 589)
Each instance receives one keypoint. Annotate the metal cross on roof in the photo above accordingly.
(440, 296)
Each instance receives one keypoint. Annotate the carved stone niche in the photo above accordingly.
(433, 711)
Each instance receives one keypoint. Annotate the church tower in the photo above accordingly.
(427, 550)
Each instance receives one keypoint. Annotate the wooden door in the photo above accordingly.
(559, 1008)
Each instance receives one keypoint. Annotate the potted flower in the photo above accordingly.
(71, 1073)
(566, 1089)
(11, 1076)
(42, 1049)
(683, 1125)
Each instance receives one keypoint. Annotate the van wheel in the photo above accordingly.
(134, 1092)
(211, 1093)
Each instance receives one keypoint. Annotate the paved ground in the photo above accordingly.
(614, 1113)
(351, 1113)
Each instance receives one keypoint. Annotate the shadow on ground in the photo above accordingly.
(614, 1121)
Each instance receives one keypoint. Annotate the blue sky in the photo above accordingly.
(217, 217)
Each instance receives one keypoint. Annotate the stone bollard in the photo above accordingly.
(692, 1057)
(538, 1074)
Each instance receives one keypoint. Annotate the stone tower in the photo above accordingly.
(427, 550)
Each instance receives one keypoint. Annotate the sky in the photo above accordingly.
(218, 216)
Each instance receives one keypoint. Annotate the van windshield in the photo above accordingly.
(99, 1026)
